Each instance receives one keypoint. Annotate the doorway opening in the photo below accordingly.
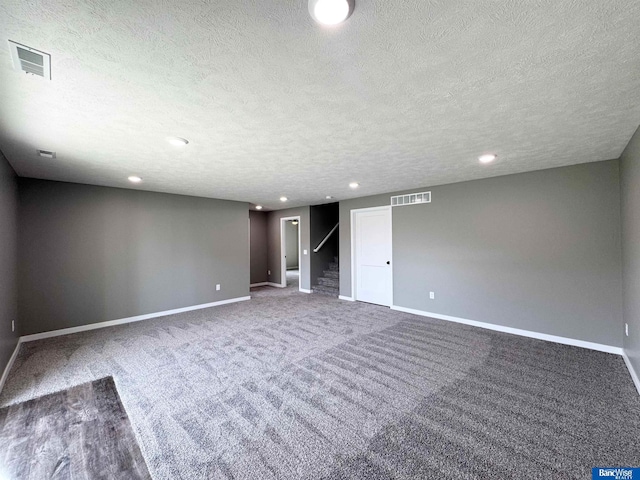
(291, 260)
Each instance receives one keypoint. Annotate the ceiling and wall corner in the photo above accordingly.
(404, 94)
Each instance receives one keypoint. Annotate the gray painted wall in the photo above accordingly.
(8, 259)
(291, 245)
(630, 182)
(274, 244)
(258, 245)
(538, 251)
(323, 219)
(89, 254)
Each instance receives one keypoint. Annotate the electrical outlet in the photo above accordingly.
(304, 252)
(626, 329)
(218, 286)
(432, 295)
(13, 325)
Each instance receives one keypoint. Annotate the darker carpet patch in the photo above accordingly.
(519, 415)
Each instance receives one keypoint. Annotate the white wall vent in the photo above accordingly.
(30, 60)
(411, 199)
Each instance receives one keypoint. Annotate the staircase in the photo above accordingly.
(329, 284)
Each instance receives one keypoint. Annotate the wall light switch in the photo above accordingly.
(268, 272)
(13, 326)
(218, 286)
(304, 252)
(626, 329)
(432, 295)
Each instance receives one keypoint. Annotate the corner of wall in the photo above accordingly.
(8, 265)
(629, 164)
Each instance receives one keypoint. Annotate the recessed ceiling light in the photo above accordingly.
(258, 207)
(135, 179)
(354, 185)
(328, 197)
(330, 12)
(487, 158)
(177, 141)
(283, 199)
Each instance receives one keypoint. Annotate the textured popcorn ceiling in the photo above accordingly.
(406, 93)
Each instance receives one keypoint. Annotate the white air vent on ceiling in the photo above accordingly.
(30, 60)
(46, 154)
(411, 199)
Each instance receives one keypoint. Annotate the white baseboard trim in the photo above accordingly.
(7, 369)
(348, 299)
(304, 290)
(120, 321)
(516, 331)
(634, 375)
(261, 284)
(277, 285)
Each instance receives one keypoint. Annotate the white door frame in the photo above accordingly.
(354, 293)
(283, 253)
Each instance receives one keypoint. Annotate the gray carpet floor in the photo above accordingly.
(81, 433)
(291, 385)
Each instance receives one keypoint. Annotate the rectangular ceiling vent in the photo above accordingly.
(46, 154)
(411, 199)
(30, 61)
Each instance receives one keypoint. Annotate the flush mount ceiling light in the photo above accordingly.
(487, 158)
(328, 197)
(135, 179)
(283, 199)
(294, 222)
(354, 185)
(177, 141)
(258, 207)
(331, 12)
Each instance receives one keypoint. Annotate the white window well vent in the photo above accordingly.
(30, 61)
(411, 199)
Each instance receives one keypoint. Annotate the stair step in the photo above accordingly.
(332, 274)
(325, 290)
(329, 282)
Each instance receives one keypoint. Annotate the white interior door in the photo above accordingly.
(373, 274)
